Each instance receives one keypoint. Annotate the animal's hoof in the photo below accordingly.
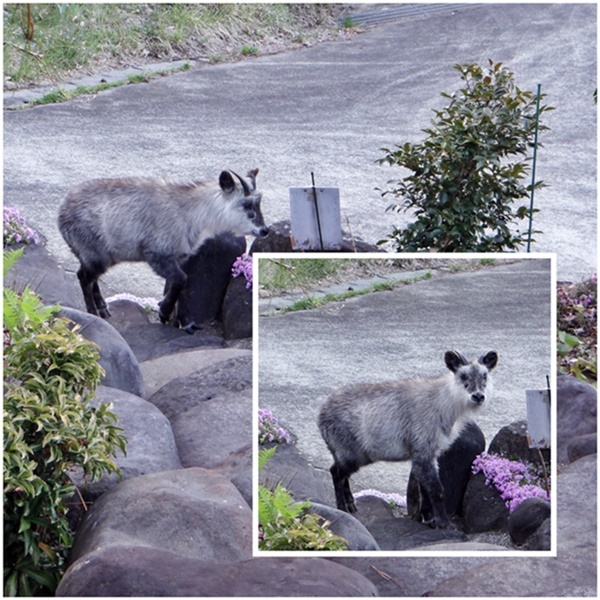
(191, 328)
(104, 313)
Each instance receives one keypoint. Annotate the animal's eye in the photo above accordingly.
(248, 205)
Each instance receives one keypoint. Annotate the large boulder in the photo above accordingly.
(278, 239)
(208, 433)
(210, 411)
(577, 412)
(121, 367)
(191, 512)
(512, 442)
(527, 518)
(455, 473)
(237, 310)
(209, 273)
(483, 507)
(150, 443)
(139, 571)
(40, 271)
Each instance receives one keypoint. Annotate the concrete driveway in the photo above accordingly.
(327, 109)
(303, 356)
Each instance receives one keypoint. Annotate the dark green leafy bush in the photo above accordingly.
(469, 171)
(50, 374)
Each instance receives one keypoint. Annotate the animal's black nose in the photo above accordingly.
(264, 231)
(477, 398)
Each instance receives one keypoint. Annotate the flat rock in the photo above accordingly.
(157, 372)
(191, 512)
(183, 393)
(462, 547)
(398, 533)
(150, 443)
(139, 571)
(156, 339)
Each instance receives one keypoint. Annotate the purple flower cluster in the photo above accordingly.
(269, 429)
(243, 266)
(16, 230)
(513, 479)
(577, 307)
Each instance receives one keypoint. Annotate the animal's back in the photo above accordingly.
(128, 217)
(392, 420)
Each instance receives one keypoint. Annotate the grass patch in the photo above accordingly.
(52, 41)
(61, 95)
(285, 274)
(387, 286)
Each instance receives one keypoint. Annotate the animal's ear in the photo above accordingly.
(490, 360)
(252, 177)
(454, 360)
(226, 182)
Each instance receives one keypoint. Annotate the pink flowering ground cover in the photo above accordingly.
(270, 430)
(16, 230)
(243, 266)
(515, 480)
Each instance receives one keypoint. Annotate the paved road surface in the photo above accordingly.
(327, 109)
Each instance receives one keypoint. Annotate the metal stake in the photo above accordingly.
(314, 189)
(535, 145)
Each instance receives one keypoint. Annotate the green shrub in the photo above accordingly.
(285, 524)
(469, 171)
(50, 430)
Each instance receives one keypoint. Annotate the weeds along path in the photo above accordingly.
(55, 42)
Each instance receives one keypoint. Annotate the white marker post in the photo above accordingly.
(538, 418)
(315, 216)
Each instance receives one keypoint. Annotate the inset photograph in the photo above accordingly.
(404, 405)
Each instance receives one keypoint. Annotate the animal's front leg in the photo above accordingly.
(176, 279)
(433, 493)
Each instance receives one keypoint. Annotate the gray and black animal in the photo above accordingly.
(108, 221)
(413, 419)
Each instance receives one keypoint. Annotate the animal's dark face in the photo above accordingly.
(244, 203)
(251, 207)
(472, 376)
